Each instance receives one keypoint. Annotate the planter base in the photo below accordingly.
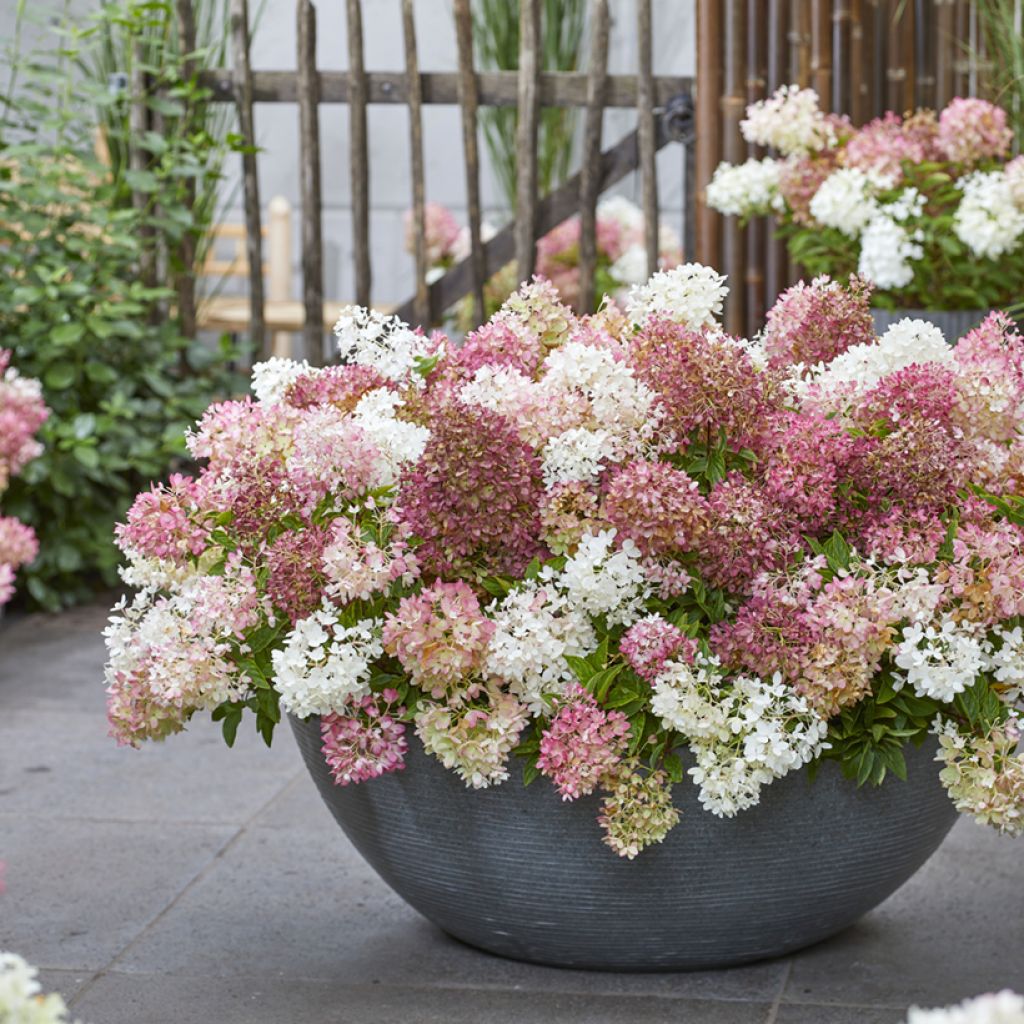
(517, 872)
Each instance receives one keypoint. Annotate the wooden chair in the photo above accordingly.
(284, 315)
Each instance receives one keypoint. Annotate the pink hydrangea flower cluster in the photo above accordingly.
(813, 323)
(972, 130)
(440, 636)
(22, 413)
(582, 743)
(648, 645)
(367, 741)
(883, 144)
(571, 533)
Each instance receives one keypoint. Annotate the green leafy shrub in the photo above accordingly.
(121, 380)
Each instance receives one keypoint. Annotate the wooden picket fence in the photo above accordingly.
(862, 56)
(663, 103)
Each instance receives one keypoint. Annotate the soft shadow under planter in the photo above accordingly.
(515, 871)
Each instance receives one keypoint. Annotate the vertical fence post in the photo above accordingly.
(242, 77)
(185, 282)
(468, 102)
(414, 98)
(309, 180)
(821, 51)
(359, 169)
(708, 128)
(645, 132)
(760, 251)
(842, 24)
(590, 169)
(526, 138)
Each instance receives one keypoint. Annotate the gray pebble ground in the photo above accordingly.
(189, 883)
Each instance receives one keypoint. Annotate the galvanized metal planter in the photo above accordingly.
(954, 323)
(515, 871)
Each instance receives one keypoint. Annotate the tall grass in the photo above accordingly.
(496, 36)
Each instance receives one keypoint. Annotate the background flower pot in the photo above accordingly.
(516, 872)
(954, 323)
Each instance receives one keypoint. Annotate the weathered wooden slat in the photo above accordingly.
(242, 87)
(495, 88)
(709, 135)
(597, 73)
(528, 111)
(309, 181)
(184, 278)
(468, 104)
(622, 159)
(645, 114)
(359, 165)
(419, 202)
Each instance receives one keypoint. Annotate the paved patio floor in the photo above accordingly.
(189, 883)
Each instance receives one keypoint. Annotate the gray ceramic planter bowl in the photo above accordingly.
(954, 323)
(515, 871)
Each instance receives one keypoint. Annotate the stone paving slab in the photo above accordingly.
(187, 882)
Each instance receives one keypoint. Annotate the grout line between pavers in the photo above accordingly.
(177, 898)
(773, 1013)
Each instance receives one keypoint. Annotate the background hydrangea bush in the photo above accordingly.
(22, 413)
(927, 207)
(624, 552)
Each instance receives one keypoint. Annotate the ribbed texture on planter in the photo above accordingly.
(516, 871)
(953, 323)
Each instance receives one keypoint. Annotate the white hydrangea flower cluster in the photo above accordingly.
(941, 659)
(988, 220)
(600, 580)
(374, 339)
(1006, 661)
(886, 249)
(690, 294)
(846, 200)
(272, 377)
(749, 189)
(622, 211)
(1004, 1007)
(536, 628)
(322, 665)
(631, 267)
(21, 998)
(399, 441)
(789, 121)
(906, 342)
(744, 732)
(578, 454)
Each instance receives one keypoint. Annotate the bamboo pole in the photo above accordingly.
(758, 241)
(821, 51)
(945, 52)
(526, 139)
(359, 164)
(590, 166)
(734, 150)
(645, 113)
(858, 86)
(242, 78)
(842, 28)
(419, 204)
(309, 180)
(468, 101)
(709, 136)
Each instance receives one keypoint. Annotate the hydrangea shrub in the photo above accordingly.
(928, 207)
(22, 413)
(625, 552)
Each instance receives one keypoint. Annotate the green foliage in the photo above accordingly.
(1004, 60)
(496, 36)
(121, 381)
